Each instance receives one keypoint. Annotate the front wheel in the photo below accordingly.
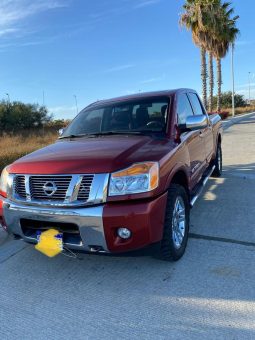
(218, 162)
(176, 227)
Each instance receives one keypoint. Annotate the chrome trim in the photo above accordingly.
(74, 185)
(97, 195)
(10, 185)
(89, 221)
(194, 199)
(28, 196)
(214, 118)
(196, 122)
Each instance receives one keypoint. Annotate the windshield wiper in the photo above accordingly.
(109, 133)
(73, 136)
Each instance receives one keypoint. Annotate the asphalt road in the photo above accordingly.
(208, 294)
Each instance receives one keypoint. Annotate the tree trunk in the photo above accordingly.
(211, 82)
(219, 81)
(204, 76)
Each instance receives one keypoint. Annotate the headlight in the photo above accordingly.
(4, 181)
(140, 177)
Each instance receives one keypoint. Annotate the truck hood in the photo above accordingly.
(102, 154)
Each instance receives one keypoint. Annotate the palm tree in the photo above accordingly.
(213, 30)
(224, 35)
(192, 19)
(210, 25)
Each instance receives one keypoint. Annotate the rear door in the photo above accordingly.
(192, 139)
(206, 134)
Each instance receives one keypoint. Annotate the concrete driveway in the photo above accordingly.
(208, 294)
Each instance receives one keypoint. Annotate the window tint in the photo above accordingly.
(157, 112)
(140, 115)
(90, 123)
(183, 109)
(196, 104)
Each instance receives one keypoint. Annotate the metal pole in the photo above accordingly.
(249, 89)
(7, 94)
(43, 97)
(233, 80)
(76, 103)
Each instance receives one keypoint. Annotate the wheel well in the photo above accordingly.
(181, 179)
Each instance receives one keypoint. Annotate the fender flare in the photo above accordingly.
(179, 167)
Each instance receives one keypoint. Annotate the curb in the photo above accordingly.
(235, 120)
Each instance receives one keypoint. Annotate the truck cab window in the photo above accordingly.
(183, 109)
(195, 102)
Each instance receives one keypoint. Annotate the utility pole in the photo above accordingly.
(249, 88)
(76, 103)
(43, 98)
(8, 96)
(233, 79)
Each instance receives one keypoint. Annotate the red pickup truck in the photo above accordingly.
(122, 176)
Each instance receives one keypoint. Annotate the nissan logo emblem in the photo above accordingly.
(50, 188)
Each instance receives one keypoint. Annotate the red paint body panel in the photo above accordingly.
(145, 219)
(92, 155)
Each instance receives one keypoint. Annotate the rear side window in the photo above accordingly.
(183, 109)
(196, 104)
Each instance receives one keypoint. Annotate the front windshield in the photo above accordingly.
(137, 116)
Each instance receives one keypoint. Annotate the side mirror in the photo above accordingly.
(60, 132)
(196, 122)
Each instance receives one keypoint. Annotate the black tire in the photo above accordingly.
(218, 162)
(168, 250)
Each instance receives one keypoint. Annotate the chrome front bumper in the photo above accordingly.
(88, 219)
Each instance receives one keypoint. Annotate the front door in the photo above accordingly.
(193, 140)
(206, 133)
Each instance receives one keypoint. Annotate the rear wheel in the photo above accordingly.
(176, 227)
(218, 162)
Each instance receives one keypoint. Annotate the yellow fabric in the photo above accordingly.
(49, 244)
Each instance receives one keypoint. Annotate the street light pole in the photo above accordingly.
(76, 103)
(250, 88)
(233, 79)
(7, 94)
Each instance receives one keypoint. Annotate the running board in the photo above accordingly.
(201, 188)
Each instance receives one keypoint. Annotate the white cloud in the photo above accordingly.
(7, 31)
(13, 12)
(125, 6)
(152, 80)
(119, 68)
(146, 3)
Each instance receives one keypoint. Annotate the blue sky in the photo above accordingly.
(106, 48)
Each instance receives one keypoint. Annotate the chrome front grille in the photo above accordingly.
(60, 190)
(37, 187)
(85, 187)
(19, 186)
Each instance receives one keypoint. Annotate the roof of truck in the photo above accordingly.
(140, 95)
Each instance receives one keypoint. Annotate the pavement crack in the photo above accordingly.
(221, 239)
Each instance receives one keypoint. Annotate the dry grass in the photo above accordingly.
(241, 110)
(14, 147)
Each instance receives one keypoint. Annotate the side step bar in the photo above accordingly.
(200, 190)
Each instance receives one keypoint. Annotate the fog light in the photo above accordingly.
(124, 233)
